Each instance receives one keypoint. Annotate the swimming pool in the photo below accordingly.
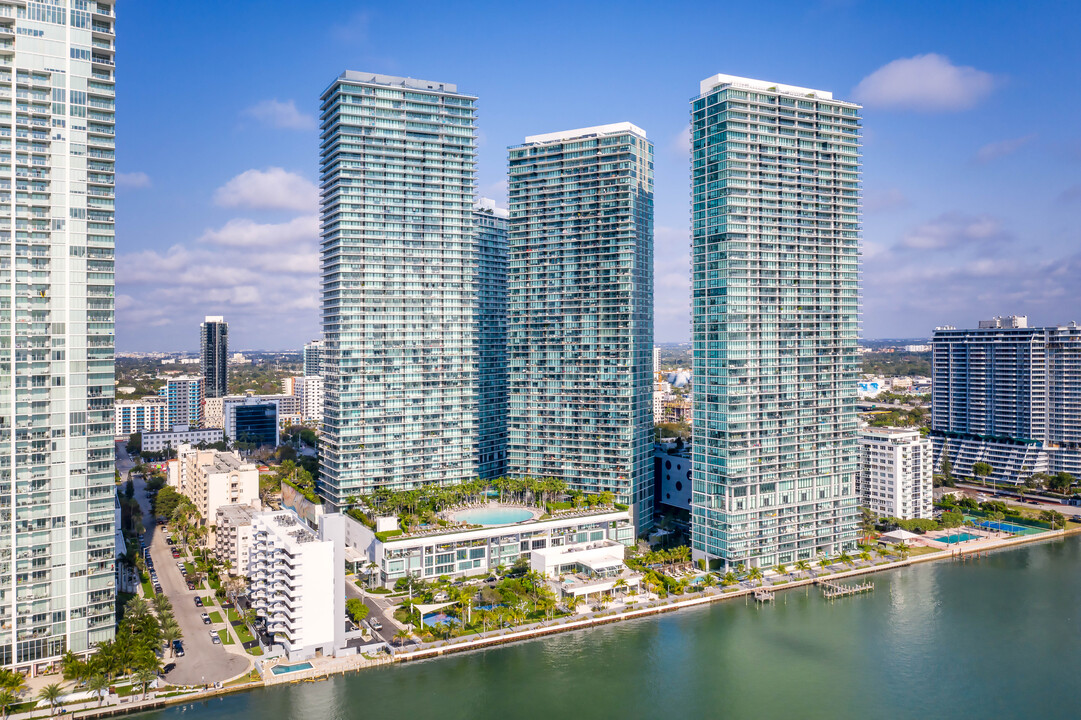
(956, 538)
(283, 669)
(496, 515)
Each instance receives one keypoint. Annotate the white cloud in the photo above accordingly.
(245, 233)
(682, 142)
(951, 231)
(925, 83)
(281, 115)
(271, 189)
(133, 180)
(1002, 148)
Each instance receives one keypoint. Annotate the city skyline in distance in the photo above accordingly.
(950, 235)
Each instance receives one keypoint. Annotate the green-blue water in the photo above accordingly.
(993, 638)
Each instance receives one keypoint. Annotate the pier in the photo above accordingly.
(763, 595)
(832, 590)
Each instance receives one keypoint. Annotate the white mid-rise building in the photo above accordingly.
(212, 479)
(308, 391)
(895, 473)
(297, 581)
(148, 414)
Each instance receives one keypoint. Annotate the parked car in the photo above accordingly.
(198, 601)
(178, 648)
(206, 619)
(214, 638)
(191, 586)
(374, 624)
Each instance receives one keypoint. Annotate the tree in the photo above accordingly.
(867, 522)
(8, 700)
(1055, 519)
(951, 519)
(145, 676)
(803, 566)
(51, 694)
(982, 470)
(947, 469)
(356, 609)
(169, 635)
(755, 573)
(401, 636)
(97, 684)
(12, 680)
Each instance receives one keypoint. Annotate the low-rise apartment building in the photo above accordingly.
(232, 536)
(180, 435)
(148, 414)
(212, 479)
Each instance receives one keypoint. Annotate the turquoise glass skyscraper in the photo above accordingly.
(490, 225)
(580, 312)
(775, 223)
(398, 265)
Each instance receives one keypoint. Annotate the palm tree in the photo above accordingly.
(145, 676)
(729, 578)
(170, 634)
(710, 581)
(96, 684)
(755, 573)
(803, 566)
(901, 549)
(401, 636)
(780, 569)
(845, 558)
(8, 700)
(51, 694)
(620, 585)
(572, 603)
(12, 680)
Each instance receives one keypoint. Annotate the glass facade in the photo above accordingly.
(491, 229)
(580, 312)
(399, 285)
(57, 130)
(256, 424)
(775, 224)
(313, 358)
(214, 351)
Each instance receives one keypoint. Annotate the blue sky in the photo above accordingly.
(972, 156)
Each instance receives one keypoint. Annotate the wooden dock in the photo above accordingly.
(833, 590)
(762, 595)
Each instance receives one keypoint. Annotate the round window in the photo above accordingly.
(679, 485)
(667, 464)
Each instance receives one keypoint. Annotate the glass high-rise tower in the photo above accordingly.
(399, 287)
(57, 143)
(580, 312)
(775, 176)
(490, 224)
(214, 356)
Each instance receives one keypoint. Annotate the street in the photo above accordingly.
(203, 661)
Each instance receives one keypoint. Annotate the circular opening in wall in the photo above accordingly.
(679, 485)
(667, 464)
(667, 496)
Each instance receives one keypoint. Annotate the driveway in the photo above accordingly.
(378, 607)
(203, 661)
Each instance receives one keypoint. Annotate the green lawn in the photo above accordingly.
(255, 650)
(243, 633)
(231, 613)
(208, 601)
(226, 637)
(215, 617)
(189, 569)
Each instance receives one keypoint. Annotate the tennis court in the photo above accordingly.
(1003, 526)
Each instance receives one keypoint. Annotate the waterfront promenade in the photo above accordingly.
(326, 667)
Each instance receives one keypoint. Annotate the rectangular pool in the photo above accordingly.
(283, 669)
(957, 538)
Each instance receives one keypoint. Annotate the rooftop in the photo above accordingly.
(595, 131)
(237, 514)
(356, 76)
(715, 81)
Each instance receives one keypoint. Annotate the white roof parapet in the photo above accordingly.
(414, 83)
(488, 205)
(611, 129)
(722, 79)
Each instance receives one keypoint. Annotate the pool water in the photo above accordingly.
(1009, 527)
(498, 515)
(960, 537)
(283, 669)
